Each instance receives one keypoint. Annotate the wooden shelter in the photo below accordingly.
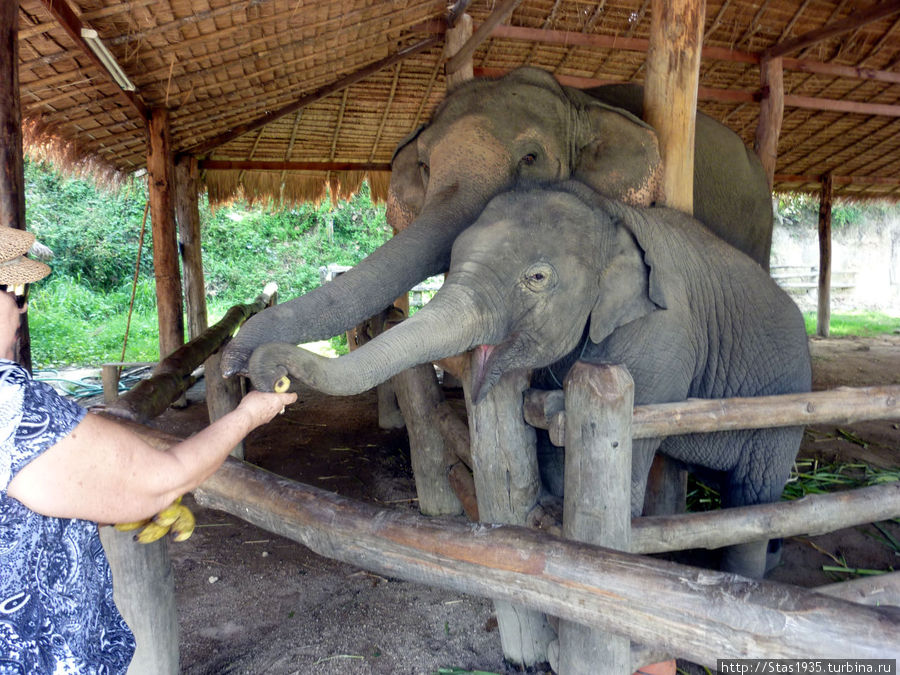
(277, 98)
(289, 100)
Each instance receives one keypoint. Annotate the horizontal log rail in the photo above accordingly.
(544, 409)
(173, 375)
(810, 515)
(697, 614)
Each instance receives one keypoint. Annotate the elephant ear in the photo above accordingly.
(629, 287)
(406, 192)
(617, 153)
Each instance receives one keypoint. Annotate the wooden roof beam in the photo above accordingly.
(856, 20)
(265, 165)
(837, 180)
(738, 96)
(484, 31)
(641, 44)
(70, 22)
(339, 85)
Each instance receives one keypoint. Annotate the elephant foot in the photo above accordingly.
(747, 560)
(773, 554)
(552, 467)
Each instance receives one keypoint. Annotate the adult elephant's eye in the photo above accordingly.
(540, 277)
(529, 159)
(423, 171)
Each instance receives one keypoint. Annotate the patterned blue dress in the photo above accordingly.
(56, 603)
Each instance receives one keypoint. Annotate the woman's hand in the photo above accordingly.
(263, 406)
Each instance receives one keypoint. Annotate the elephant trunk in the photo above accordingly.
(420, 251)
(448, 325)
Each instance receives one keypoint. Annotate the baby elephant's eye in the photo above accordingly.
(540, 276)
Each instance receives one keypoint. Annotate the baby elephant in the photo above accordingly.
(550, 275)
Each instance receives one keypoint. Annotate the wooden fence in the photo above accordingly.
(618, 610)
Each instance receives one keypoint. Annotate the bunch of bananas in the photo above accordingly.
(175, 518)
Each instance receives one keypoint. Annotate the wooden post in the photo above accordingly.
(144, 592)
(670, 92)
(143, 579)
(823, 316)
(670, 107)
(771, 112)
(165, 245)
(188, 217)
(597, 507)
(507, 484)
(455, 38)
(418, 394)
(222, 395)
(12, 167)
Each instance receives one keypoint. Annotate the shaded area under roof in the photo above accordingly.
(323, 91)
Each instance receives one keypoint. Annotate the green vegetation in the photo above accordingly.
(800, 210)
(78, 314)
(865, 324)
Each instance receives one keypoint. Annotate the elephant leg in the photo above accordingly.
(551, 464)
(759, 478)
(642, 452)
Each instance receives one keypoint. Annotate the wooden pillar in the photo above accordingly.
(670, 107)
(454, 39)
(187, 214)
(222, 395)
(142, 574)
(823, 316)
(670, 92)
(161, 170)
(771, 112)
(507, 484)
(144, 591)
(418, 394)
(12, 167)
(597, 507)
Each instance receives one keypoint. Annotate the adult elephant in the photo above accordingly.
(490, 135)
(547, 276)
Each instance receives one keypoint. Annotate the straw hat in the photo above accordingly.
(15, 268)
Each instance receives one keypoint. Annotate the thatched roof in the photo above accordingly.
(340, 82)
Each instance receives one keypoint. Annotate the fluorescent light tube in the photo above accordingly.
(106, 58)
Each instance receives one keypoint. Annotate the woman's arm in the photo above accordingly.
(103, 472)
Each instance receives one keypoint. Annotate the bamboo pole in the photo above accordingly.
(173, 375)
(697, 614)
(838, 406)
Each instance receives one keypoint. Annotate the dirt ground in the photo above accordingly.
(252, 602)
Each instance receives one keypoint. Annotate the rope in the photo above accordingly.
(137, 269)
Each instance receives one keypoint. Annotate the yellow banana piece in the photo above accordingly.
(183, 527)
(152, 532)
(169, 514)
(282, 384)
(129, 527)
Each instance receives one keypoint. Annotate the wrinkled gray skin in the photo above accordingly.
(489, 136)
(545, 276)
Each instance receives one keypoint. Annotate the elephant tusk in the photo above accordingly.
(282, 384)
